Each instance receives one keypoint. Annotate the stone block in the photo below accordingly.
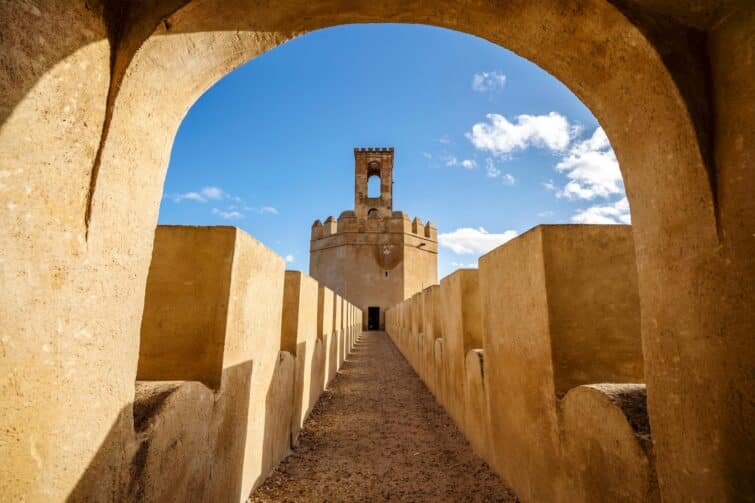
(560, 308)
(462, 331)
(608, 445)
(475, 423)
(299, 337)
(183, 334)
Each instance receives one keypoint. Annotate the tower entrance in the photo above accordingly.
(373, 318)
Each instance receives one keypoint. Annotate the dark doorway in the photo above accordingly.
(373, 318)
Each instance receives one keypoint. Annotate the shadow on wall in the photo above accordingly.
(552, 400)
(181, 440)
(187, 442)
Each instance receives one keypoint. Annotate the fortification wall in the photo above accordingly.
(233, 356)
(537, 358)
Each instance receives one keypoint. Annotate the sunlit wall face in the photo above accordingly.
(487, 144)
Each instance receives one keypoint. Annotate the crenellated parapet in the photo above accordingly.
(537, 356)
(234, 351)
(347, 223)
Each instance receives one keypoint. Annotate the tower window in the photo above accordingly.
(373, 186)
(373, 213)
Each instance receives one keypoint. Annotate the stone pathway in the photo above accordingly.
(378, 434)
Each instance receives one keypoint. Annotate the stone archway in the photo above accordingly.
(93, 95)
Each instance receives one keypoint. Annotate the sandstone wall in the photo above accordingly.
(537, 358)
(232, 360)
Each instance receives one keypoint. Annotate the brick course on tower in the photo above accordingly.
(374, 256)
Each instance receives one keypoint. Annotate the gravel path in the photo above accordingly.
(377, 434)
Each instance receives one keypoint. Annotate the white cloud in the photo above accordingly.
(188, 196)
(490, 170)
(500, 137)
(509, 179)
(445, 140)
(227, 215)
(427, 155)
(615, 213)
(471, 265)
(264, 210)
(289, 258)
(451, 161)
(550, 185)
(202, 196)
(488, 81)
(468, 240)
(213, 193)
(267, 210)
(592, 169)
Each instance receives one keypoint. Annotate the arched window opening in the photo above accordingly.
(373, 213)
(373, 186)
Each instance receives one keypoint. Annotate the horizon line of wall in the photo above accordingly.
(234, 354)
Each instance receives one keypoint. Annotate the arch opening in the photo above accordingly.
(648, 122)
(373, 186)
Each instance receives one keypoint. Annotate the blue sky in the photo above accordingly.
(487, 144)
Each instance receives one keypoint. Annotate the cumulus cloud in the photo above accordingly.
(289, 258)
(468, 240)
(499, 136)
(615, 213)
(509, 179)
(483, 82)
(228, 215)
(592, 169)
(468, 164)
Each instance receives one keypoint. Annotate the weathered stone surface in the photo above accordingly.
(476, 417)
(608, 449)
(84, 147)
(462, 332)
(183, 335)
(299, 337)
(555, 308)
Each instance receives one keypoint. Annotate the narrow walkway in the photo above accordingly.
(379, 435)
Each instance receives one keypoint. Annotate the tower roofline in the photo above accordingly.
(372, 149)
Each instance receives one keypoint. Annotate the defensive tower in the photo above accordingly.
(373, 256)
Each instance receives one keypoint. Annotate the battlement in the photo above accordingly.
(372, 150)
(398, 222)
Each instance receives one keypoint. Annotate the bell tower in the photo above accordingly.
(368, 163)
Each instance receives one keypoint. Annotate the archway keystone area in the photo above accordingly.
(92, 93)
